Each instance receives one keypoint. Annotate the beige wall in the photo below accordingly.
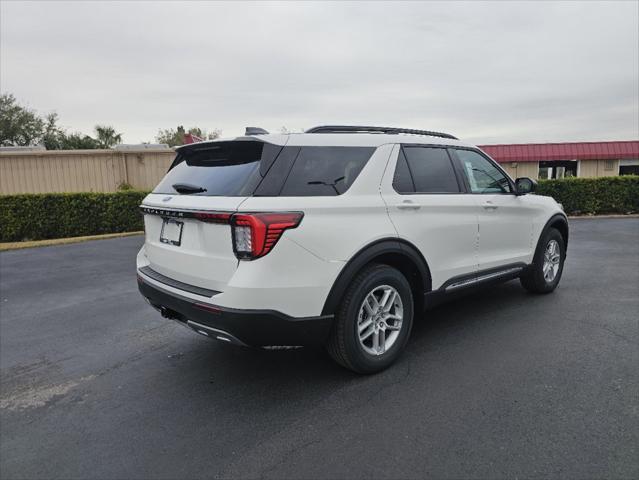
(81, 170)
(597, 168)
(521, 169)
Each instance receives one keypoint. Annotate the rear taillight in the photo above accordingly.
(255, 234)
(212, 217)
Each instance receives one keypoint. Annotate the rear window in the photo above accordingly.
(221, 169)
(246, 168)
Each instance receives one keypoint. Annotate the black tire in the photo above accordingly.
(344, 345)
(533, 280)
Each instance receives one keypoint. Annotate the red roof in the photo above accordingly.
(536, 152)
(190, 138)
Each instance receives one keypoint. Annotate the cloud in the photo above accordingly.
(502, 72)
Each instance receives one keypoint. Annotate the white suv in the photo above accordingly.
(338, 236)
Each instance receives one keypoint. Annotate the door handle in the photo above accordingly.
(409, 205)
(489, 205)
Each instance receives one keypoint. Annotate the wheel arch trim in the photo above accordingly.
(368, 254)
(556, 219)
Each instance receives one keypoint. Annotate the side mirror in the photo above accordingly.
(525, 185)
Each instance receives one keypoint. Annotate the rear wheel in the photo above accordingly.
(373, 321)
(548, 265)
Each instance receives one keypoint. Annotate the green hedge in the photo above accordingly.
(594, 196)
(59, 215)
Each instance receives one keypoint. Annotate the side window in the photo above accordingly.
(276, 176)
(325, 171)
(403, 180)
(483, 176)
(431, 169)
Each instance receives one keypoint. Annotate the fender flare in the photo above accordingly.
(558, 218)
(367, 255)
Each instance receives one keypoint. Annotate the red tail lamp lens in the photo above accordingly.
(213, 217)
(255, 234)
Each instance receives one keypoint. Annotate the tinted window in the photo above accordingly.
(483, 176)
(221, 169)
(403, 181)
(431, 169)
(325, 171)
(272, 184)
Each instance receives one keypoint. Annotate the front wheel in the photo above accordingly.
(373, 321)
(545, 272)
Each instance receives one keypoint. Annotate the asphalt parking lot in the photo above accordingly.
(94, 384)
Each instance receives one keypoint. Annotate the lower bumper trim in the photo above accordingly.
(256, 328)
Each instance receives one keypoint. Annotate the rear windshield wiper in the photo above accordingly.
(186, 188)
(328, 184)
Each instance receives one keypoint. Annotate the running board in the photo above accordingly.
(509, 272)
(461, 284)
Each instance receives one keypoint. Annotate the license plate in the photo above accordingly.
(171, 232)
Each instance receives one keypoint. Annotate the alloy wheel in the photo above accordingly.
(380, 320)
(552, 258)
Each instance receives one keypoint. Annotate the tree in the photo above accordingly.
(78, 141)
(107, 137)
(19, 126)
(171, 137)
(53, 135)
(57, 138)
(175, 137)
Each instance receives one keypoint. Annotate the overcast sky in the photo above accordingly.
(488, 72)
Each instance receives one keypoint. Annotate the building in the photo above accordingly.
(575, 159)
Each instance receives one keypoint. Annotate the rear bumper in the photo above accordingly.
(241, 327)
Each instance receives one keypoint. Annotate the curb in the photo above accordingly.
(6, 246)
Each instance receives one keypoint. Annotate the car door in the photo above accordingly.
(505, 219)
(429, 208)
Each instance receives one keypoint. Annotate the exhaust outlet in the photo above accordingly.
(214, 333)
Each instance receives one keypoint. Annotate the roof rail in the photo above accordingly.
(361, 129)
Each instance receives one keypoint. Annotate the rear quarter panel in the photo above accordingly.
(298, 274)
